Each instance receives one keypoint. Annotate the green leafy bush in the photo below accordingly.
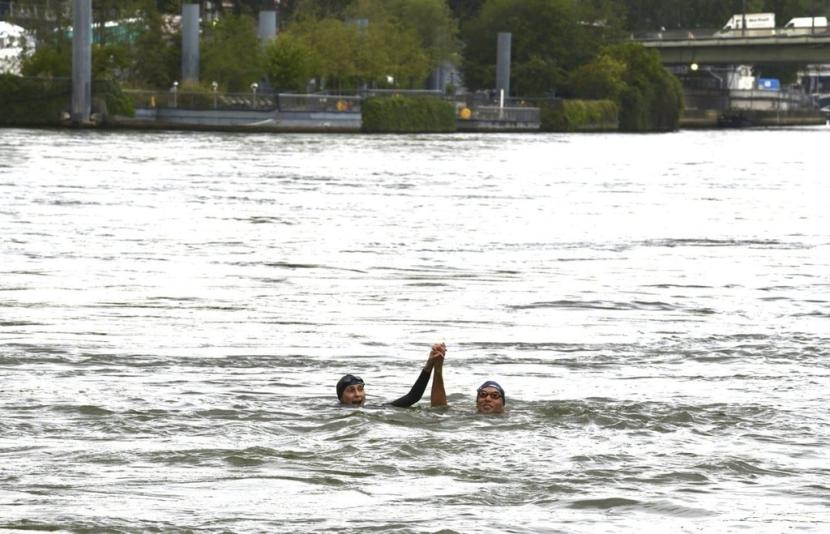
(649, 97)
(398, 114)
(652, 98)
(33, 102)
(41, 102)
(579, 115)
(117, 103)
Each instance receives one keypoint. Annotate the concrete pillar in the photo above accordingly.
(267, 29)
(436, 78)
(190, 43)
(503, 63)
(81, 61)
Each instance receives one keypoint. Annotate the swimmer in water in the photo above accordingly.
(351, 389)
(489, 396)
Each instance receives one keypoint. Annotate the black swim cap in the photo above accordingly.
(346, 381)
(494, 384)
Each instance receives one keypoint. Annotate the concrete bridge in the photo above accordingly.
(713, 47)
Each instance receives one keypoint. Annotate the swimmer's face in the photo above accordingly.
(489, 400)
(353, 395)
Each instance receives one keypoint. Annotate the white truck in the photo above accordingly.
(755, 22)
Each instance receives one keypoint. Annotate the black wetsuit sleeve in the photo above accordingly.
(415, 393)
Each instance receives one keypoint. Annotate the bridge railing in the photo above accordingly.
(717, 33)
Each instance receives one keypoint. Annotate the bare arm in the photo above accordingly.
(420, 385)
(438, 397)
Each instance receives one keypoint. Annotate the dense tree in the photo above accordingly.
(550, 38)
(602, 78)
(231, 53)
(464, 10)
(156, 55)
(320, 9)
(649, 97)
(347, 55)
(290, 63)
(432, 20)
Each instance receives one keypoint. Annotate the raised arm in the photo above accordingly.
(438, 396)
(420, 385)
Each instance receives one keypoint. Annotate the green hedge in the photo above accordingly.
(33, 102)
(41, 102)
(398, 114)
(579, 116)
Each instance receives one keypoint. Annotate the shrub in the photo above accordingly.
(41, 102)
(652, 98)
(117, 103)
(33, 102)
(579, 115)
(398, 114)
(649, 97)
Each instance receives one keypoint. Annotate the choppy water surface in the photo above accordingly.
(175, 309)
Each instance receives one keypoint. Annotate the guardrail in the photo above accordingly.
(716, 33)
(318, 103)
(479, 109)
(511, 114)
(201, 101)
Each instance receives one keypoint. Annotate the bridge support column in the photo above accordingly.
(503, 63)
(267, 29)
(81, 61)
(190, 43)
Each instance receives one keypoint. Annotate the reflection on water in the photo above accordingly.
(175, 309)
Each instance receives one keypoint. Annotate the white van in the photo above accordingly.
(807, 23)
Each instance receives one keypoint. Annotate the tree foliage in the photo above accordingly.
(290, 62)
(431, 20)
(649, 97)
(549, 38)
(231, 53)
(345, 54)
(601, 78)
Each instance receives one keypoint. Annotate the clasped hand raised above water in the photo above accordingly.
(490, 396)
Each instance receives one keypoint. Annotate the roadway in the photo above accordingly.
(711, 47)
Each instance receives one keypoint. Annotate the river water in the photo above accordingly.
(175, 309)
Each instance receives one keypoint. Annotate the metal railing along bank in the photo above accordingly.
(514, 111)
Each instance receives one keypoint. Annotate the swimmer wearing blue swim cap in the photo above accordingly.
(490, 398)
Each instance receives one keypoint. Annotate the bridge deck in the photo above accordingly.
(735, 47)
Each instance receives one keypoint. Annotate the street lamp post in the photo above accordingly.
(175, 91)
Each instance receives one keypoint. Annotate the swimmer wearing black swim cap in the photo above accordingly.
(351, 388)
